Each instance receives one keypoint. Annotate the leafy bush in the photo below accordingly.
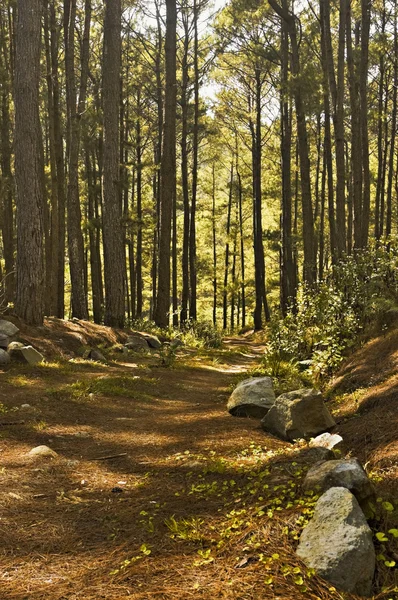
(359, 294)
(202, 333)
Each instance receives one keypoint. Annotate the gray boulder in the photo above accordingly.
(96, 355)
(343, 473)
(25, 354)
(298, 414)
(252, 398)
(152, 341)
(338, 544)
(4, 341)
(4, 357)
(136, 342)
(8, 328)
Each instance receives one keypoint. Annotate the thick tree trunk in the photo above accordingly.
(114, 267)
(29, 304)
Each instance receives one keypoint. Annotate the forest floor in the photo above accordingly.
(156, 492)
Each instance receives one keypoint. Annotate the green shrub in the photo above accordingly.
(359, 293)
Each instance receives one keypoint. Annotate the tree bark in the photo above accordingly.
(75, 112)
(114, 267)
(29, 303)
(168, 169)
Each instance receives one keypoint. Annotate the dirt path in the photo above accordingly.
(67, 523)
(156, 491)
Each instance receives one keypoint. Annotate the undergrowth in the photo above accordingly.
(358, 298)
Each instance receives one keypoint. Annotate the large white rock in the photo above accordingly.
(326, 440)
(8, 328)
(26, 354)
(252, 398)
(338, 544)
(346, 473)
(298, 414)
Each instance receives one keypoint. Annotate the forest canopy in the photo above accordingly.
(184, 161)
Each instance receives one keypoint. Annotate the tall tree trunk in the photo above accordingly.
(75, 112)
(242, 247)
(214, 232)
(380, 130)
(306, 198)
(114, 267)
(158, 146)
(139, 279)
(7, 182)
(259, 263)
(184, 172)
(288, 273)
(227, 252)
(195, 152)
(337, 93)
(393, 131)
(356, 141)
(29, 303)
(363, 93)
(168, 169)
(95, 266)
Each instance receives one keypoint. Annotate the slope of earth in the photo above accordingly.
(155, 492)
(365, 393)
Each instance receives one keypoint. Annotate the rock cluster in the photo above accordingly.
(11, 350)
(295, 415)
(337, 542)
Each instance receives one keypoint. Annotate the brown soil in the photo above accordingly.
(156, 491)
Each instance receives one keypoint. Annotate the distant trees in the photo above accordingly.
(191, 173)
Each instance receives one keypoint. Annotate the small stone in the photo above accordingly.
(96, 355)
(152, 341)
(4, 341)
(8, 328)
(42, 452)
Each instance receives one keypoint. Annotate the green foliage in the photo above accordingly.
(202, 334)
(361, 292)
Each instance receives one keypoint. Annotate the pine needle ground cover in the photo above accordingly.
(156, 491)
